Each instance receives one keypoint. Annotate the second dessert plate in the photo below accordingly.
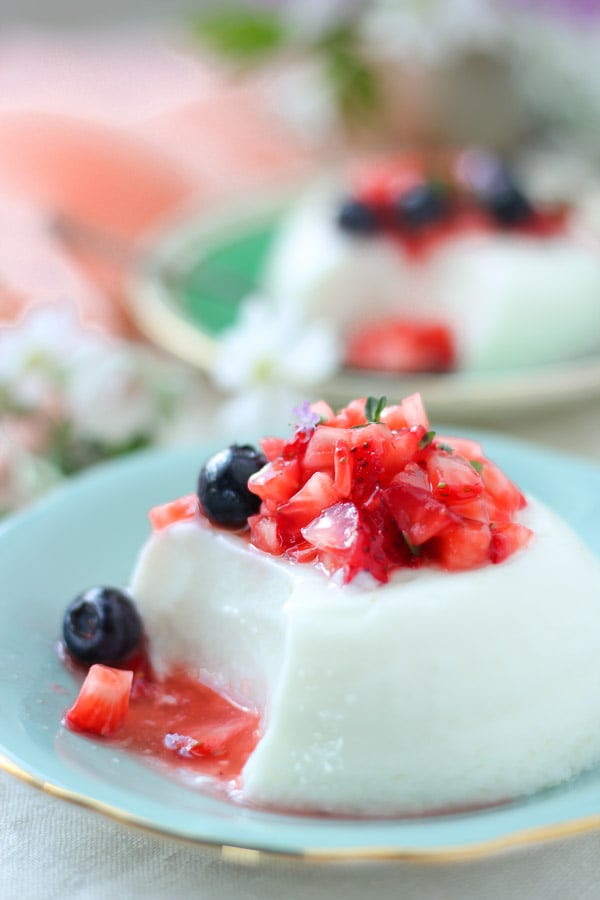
(193, 274)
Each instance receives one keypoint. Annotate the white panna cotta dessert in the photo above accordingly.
(458, 246)
(415, 635)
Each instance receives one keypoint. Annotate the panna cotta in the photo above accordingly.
(413, 633)
(433, 267)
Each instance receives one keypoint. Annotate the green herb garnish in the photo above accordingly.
(478, 466)
(426, 440)
(374, 408)
(246, 35)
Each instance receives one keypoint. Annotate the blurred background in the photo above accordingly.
(117, 118)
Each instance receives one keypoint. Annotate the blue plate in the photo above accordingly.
(89, 532)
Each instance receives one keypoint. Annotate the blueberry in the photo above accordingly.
(493, 184)
(420, 206)
(356, 217)
(223, 485)
(102, 625)
(505, 201)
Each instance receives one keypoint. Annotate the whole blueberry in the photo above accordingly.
(102, 625)
(357, 218)
(492, 183)
(421, 205)
(506, 201)
(223, 485)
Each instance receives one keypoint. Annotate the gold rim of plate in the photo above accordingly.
(253, 856)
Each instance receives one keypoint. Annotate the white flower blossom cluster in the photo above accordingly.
(268, 362)
(70, 397)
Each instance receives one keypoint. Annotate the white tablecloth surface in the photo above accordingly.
(51, 849)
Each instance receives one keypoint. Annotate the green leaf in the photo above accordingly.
(426, 440)
(478, 466)
(245, 35)
(374, 407)
(352, 79)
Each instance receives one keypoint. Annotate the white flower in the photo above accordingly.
(270, 346)
(23, 475)
(124, 392)
(38, 353)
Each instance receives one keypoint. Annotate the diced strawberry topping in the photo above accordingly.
(453, 478)
(103, 701)
(402, 345)
(416, 512)
(466, 545)
(508, 538)
(371, 488)
(175, 511)
(272, 447)
(306, 504)
(278, 480)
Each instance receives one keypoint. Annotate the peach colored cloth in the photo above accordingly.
(116, 132)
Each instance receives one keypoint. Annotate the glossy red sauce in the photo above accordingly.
(467, 221)
(184, 724)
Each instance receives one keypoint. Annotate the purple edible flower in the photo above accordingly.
(306, 418)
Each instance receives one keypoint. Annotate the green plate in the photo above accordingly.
(193, 274)
(89, 532)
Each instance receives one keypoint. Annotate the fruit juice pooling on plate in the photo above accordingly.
(429, 265)
(365, 618)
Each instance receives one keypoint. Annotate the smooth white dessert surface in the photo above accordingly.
(512, 300)
(435, 690)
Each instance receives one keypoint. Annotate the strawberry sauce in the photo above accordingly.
(180, 723)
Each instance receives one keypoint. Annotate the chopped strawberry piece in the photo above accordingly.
(507, 539)
(414, 411)
(320, 452)
(368, 461)
(276, 481)
(393, 417)
(505, 494)
(342, 469)
(352, 415)
(476, 508)
(452, 477)
(400, 345)
(464, 546)
(264, 534)
(465, 447)
(103, 701)
(371, 543)
(317, 494)
(335, 529)
(175, 511)
(272, 447)
(402, 448)
(416, 512)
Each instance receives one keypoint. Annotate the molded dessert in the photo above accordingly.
(413, 633)
(440, 265)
